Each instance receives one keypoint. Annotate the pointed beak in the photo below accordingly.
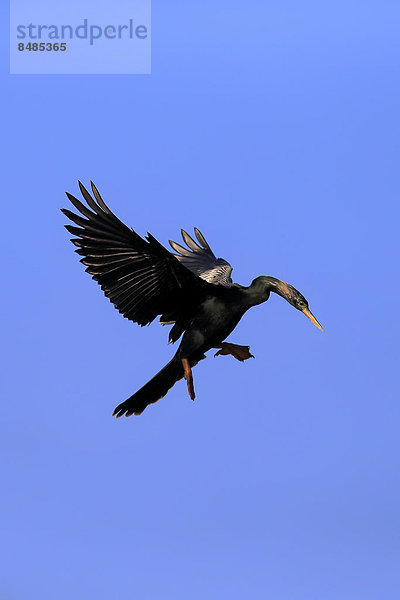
(309, 314)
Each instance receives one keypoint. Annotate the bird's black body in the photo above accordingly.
(214, 319)
(191, 290)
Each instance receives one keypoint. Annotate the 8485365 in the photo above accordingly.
(42, 47)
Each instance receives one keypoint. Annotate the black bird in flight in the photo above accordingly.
(191, 290)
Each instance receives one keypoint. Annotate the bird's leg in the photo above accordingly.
(239, 352)
(189, 377)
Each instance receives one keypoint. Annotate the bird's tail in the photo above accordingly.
(155, 389)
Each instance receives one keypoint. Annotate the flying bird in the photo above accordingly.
(190, 289)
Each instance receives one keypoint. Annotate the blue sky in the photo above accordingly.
(273, 128)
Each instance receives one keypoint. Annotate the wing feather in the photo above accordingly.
(139, 276)
(201, 260)
(202, 239)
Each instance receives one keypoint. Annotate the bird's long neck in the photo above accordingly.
(261, 288)
(278, 287)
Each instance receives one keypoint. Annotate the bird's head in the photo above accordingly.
(287, 291)
(297, 300)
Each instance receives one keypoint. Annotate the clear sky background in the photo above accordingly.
(274, 128)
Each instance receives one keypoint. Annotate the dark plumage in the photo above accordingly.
(192, 290)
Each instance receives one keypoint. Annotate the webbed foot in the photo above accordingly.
(239, 352)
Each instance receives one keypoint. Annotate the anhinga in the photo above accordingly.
(191, 290)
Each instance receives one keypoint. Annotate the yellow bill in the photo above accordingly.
(309, 314)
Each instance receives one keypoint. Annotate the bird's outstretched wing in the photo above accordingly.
(139, 276)
(200, 259)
